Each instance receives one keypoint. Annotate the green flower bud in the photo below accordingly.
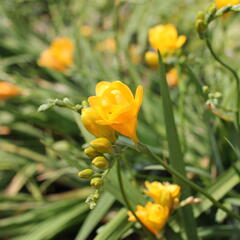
(96, 182)
(91, 152)
(205, 89)
(86, 173)
(102, 145)
(218, 94)
(200, 15)
(100, 162)
(200, 27)
(212, 9)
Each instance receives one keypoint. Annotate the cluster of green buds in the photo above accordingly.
(98, 151)
(213, 104)
(204, 18)
(213, 97)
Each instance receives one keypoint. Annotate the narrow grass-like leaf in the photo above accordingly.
(95, 216)
(176, 156)
(55, 224)
(114, 225)
(223, 184)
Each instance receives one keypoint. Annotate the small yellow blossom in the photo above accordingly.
(116, 107)
(86, 30)
(151, 58)
(165, 39)
(152, 215)
(107, 45)
(7, 90)
(172, 78)
(59, 56)
(89, 117)
(222, 3)
(164, 194)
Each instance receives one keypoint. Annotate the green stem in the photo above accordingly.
(235, 77)
(119, 175)
(190, 183)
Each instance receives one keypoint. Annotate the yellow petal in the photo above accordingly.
(101, 87)
(180, 41)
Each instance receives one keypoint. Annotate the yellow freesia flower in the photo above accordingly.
(165, 39)
(172, 78)
(7, 90)
(164, 194)
(116, 107)
(152, 215)
(89, 116)
(222, 3)
(59, 56)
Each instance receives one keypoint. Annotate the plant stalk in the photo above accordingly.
(235, 75)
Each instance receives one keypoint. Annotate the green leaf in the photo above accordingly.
(95, 216)
(175, 152)
(55, 224)
(114, 226)
(223, 184)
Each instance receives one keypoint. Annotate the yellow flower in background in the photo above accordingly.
(7, 90)
(165, 38)
(151, 58)
(172, 78)
(59, 56)
(152, 215)
(116, 107)
(107, 45)
(164, 194)
(222, 3)
(89, 116)
(86, 30)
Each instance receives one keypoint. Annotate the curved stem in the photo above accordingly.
(119, 175)
(190, 183)
(235, 77)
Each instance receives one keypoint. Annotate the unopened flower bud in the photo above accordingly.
(211, 9)
(86, 173)
(91, 152)
(102, 145)
(200, 27)
(96, 182)
(201, 15)
(100, 162)
(205, 89)
(151, 58)
(218, 94)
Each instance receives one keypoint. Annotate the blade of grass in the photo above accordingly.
(113, 225)
(95, 216)
(176, 156)
(55, 224)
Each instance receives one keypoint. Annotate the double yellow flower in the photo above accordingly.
(155, 215)
(114, 108)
